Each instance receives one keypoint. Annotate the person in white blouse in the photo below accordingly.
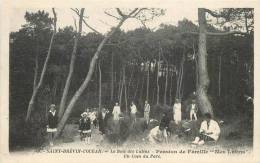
(116, 112)
(133, 112)
(209, 130)
(177, 111)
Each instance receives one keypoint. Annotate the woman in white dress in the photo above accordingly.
(177, 111)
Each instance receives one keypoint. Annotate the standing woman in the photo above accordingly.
(52, 123)
(146, 111)
(177, 111)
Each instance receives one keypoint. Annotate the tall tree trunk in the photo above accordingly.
(121, 88)
(181, 77)
(203, 101)
(219, 76)
(84, 85)
(125, 90)
(166, 85)
(112, 77)
(147, 82)
(170, 101)
(158, 70)
(39, 85)
(142, 90)
(137, 86)
(130, 81)
(100, 86)
(36, 69)
(72, 65)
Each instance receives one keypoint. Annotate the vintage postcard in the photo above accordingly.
(129, 81)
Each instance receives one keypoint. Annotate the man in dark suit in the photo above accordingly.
(102, 120)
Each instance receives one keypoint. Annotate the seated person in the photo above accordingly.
(209, 131)
(157, 135)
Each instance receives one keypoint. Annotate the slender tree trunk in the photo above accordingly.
(72, 65)
(166, 85)
(39, 85)
(203, 101)
(119, 85)
(170, 88)
(158, 70)
(100, 86)
(142, 89)
(181, 77)
(147, 82)
(136, 90)
(36, 69)
(86, 81)
(219, 77)
(125, 90)
(112, 77)
(130, 81)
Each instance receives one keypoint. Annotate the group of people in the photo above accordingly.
(209, 130)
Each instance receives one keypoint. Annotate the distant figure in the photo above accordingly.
(209, 131)
(193, 110)
(116, 112)
(85, 128)
(146, 111)
(52, 123)
(102, 120)
(177, 111)
(133, 112)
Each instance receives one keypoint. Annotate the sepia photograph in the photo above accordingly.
(131, 82)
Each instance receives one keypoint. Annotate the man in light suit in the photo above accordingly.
(209, 131)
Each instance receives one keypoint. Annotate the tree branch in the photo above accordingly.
(120, 12)
(91, 27)
(214, 14)
(139, 11)
(112, 15)
(76, 11)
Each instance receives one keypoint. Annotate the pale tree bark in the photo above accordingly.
(181, 77)
(72, 65)
(39, 85)
(84, 85)
(203, 100)
(36, 69)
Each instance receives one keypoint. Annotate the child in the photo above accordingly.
(52, 123)
(85, 128)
